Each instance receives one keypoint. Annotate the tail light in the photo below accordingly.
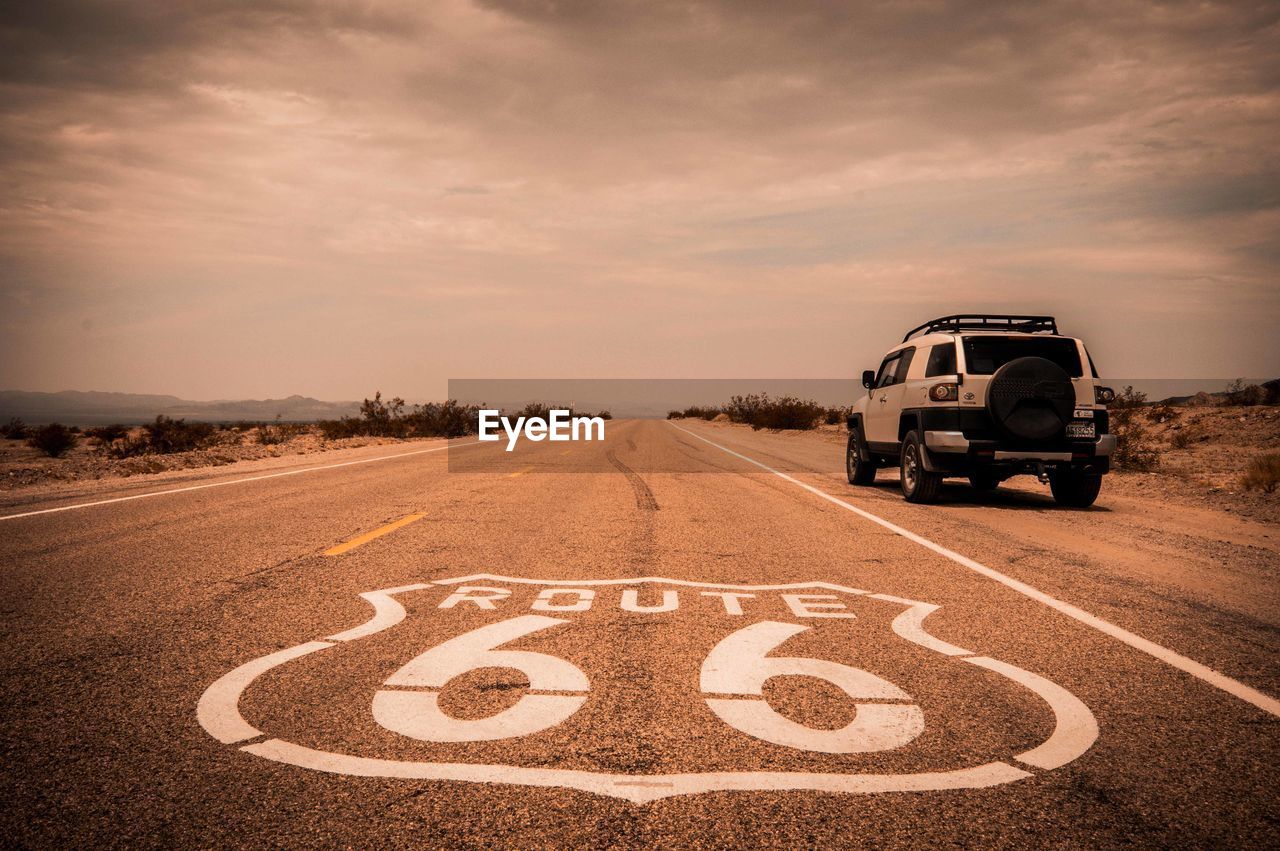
(1103, 395)
(944, 392)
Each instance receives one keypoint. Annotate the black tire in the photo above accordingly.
(1031, 399)
(1075, 488)
(984, 480)
(860, 472)
(918, 484)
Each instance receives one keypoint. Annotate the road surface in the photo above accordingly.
(687, 635)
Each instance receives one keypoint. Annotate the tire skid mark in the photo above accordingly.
(644, 497)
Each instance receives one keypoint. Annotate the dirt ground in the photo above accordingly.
(1207, 470)
(24, 467)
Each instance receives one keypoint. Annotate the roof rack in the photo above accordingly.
(987, 322)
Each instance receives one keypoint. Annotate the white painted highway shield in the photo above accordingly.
(562, 688)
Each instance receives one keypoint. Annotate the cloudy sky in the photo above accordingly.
(246, 199)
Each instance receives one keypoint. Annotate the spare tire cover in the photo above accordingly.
(1031, 398)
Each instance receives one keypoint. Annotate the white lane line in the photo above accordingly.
(1202, 672)
(234, 481)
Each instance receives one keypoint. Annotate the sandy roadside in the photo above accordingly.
(296, 454)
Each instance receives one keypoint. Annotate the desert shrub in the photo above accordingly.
(53, 439)
(1184, 437)
(788, 412)
(1239, 393)
(759, 410)
(339, 429)
(1271, 392)
(105, 436)
(1263, 473)
(836, 416)
(270, 435)
(14, 429)
(383, 419)
(535, 409)
(1163, 412)
(450, 418)
(697, 412)
(167, 435)
(1128, 398)
(128, 447)
(443, 419)
(108, 433)
(675, 415)
(279, 432)
(389, 419)
(1134, 445)
(743, 409)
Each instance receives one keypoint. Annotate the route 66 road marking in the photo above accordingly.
(731, 680)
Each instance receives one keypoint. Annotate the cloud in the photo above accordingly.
(625, 172)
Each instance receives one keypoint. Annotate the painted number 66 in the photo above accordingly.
(737, 666)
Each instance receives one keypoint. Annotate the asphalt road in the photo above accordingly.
(200, 668)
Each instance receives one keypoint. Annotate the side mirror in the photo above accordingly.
(868, 378)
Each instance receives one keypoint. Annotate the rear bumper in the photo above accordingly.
(955, 442)
(946, 441)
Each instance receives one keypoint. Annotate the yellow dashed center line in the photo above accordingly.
(518, 473)
(369, 536)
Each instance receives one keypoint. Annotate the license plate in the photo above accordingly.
(1081, 430)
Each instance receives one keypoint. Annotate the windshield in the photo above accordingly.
(984, 355)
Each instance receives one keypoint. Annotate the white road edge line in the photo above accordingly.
(1202, 672)
(233, 481)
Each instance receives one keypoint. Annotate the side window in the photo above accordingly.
(900, 374)
(887, 370)
(942, 360)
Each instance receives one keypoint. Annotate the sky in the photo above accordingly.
(242, 199)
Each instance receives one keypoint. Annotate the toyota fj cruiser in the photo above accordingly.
(985, 397)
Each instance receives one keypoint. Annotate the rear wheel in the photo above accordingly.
(984, 480)
(918, 484)
(859, 472)
(1074, 488)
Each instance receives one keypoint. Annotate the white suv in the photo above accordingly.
(985, 397)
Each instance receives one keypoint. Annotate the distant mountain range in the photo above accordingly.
(95, 408)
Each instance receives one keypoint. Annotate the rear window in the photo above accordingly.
(942, 360)
(984, 355)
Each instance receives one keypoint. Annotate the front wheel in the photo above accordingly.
(918, 484)
(1074, 488)
(858, 471)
